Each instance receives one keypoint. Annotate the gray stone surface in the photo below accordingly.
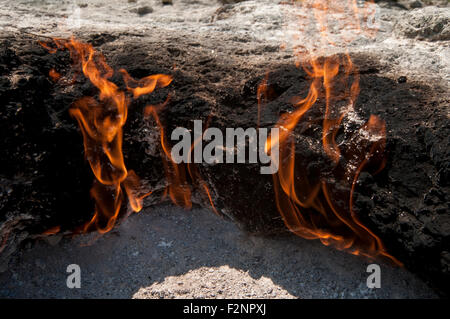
(167, 252)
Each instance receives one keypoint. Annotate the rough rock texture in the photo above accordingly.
(218, 55)
(167, 252)
(430, 24)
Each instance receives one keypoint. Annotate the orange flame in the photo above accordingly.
(52, 231)
(101, 123)
(195, 174)
(298, 199)
(261, 95)
(321, 209)
(313, 209)
(54, 75)
(178, 187)
(145, 85)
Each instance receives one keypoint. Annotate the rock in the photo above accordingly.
(53, 240)
(416, 4)
(429, 24)
(230, 1)
(144, 10)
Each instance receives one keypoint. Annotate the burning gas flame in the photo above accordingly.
(52, 231)
(178, 187)
(319, 209)
(262, 96)
(54, 75)
(101, 122)
(195, 174)
(180, 177)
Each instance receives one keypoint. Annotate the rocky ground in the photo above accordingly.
(220, 51)
(167, 252)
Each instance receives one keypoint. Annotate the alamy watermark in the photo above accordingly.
(74, 279)
(231, 148)
(374, 279)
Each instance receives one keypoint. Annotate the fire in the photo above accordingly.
(52, 231)
(101, 122)
(262, 96)
(314, 209)
(180, 177)
(195, 175)
(54, 75)
(178, 187)
(319, 209)
(146, 85)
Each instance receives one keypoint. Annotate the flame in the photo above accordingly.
(195, 174)
(101, 122)
(321, 209)
(145, 85)
(54, 75)
(178, 187)
(310, 208)
(262, 95)
(52, 231)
